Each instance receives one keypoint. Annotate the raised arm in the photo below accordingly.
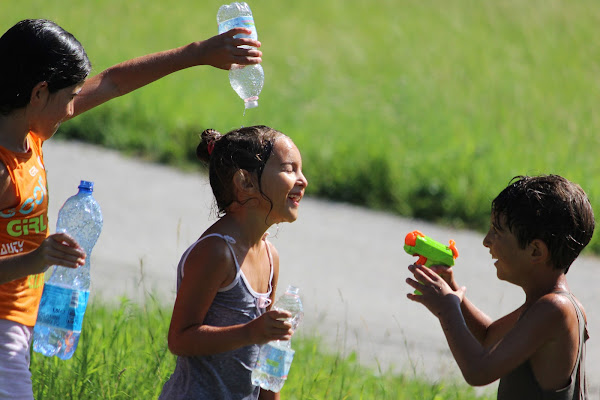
(219, 51)
(477, 321)
(482, 364)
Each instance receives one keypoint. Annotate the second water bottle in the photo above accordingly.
(275, 358)
(66, 293)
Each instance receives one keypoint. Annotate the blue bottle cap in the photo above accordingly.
(86, 185)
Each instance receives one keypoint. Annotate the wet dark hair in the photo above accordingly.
(34, 51)
(247, 148)
(549, 208)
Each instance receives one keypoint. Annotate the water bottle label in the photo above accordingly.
(63, 308)
(239, 22)
(277, 362)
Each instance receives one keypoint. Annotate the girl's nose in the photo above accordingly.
(302, 180)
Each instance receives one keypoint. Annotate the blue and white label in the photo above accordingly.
(275, 361)
(239, 22)
(63, 307)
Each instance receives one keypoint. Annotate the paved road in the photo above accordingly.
(348, 261)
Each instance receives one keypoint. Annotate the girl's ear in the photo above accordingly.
(243, 182)
(539, 251)
(39, 94)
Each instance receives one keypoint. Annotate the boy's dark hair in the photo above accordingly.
(246, 149)
(34, 51)
(549, 208)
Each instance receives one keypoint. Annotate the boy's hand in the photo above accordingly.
(221, 51)
(59, 249)
(447, 273)
(436, 294)
(272, 325)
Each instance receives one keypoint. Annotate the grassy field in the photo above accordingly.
(123, 355)
(424, 108)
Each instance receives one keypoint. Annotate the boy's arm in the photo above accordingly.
(477, 321)
(219, 51)
(481, 365)
(515, 341)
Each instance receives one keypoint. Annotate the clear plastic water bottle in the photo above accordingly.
(66, 293)
(247, 81)
(275, 357)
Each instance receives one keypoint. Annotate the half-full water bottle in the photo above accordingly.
(66, 293)
(275, 357)
(247, 81)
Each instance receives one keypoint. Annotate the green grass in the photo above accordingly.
(423, 108)
(123, 354)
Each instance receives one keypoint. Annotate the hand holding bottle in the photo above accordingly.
(275, 357)
(59, 249)
(272, 325)
(224, 50)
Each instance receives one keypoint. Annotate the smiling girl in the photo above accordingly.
(226, 280)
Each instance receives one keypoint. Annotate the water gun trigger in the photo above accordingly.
(452, 247)
(422, 260)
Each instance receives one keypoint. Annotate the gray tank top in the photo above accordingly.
(520, 383)
(225, 376)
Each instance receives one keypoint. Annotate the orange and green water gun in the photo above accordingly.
(429, 251)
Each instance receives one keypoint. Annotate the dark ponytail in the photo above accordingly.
(208, 140)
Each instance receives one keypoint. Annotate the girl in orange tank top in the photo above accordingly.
(43, 79)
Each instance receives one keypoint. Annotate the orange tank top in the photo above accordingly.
(23, 227)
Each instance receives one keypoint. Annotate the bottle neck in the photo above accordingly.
(292, 290)
(283, 343)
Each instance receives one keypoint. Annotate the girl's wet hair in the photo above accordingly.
(34, 51)
(246, 149)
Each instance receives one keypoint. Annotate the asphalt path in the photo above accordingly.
(348, 261)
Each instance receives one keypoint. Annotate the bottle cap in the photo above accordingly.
(251, 102)
(86, 186)
(293, 289)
